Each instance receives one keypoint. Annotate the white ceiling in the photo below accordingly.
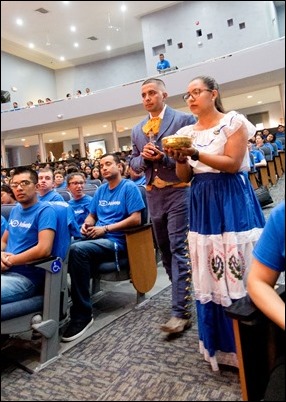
(51, 35)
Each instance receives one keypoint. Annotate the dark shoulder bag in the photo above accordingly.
(263, 195)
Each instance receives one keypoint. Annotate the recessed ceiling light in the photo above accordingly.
(23, 139)
(76, 44)
(123, 8)
(62, 58)
(108, 47)
(73, 28)
(249, 96)
(19, 21)
(50, 140)
(259, 102)
(31, 45)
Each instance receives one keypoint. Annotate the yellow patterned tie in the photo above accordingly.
(152, 125)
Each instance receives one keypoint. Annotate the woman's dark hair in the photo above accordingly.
(211, 84)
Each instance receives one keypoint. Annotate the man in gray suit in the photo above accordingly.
(167, 196)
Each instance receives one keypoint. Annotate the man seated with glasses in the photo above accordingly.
(30, 235)
(81, 201)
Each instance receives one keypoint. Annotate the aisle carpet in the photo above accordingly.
(130, 359)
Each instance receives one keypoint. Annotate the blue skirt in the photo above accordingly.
(226, 221)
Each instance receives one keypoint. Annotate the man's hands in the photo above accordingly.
(152, 153)
(92, 232)
(5, 261)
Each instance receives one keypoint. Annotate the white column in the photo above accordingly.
(42, 148)
(4, 161)
(282, 97)
(114, 135)
(81, 142)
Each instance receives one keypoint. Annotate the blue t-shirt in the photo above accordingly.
(24, 227)
(270, 248)
(111, 206)
(161, 65)
(67, 228)
(52, 195)
(4, 225)
(81, 208)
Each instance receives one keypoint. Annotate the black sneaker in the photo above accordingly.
(75, 330)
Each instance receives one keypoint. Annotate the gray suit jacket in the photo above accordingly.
(173, 120)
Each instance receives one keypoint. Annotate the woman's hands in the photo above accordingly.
(180, 155)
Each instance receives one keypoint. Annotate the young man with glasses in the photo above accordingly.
(80, 202)
(167, 195)
(30, 235)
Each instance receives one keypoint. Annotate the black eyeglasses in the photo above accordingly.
(22, 184)
(194, 94)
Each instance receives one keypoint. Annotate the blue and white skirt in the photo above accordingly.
(226, 221)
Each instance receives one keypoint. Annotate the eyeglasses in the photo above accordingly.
(76, 183)
(194, 94)
(22, 184)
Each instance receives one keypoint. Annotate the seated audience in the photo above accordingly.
(163, 63)
(7, 195)
(280, 133)
(267, 265)
(273, 140)
(26, 242)
(257, 160)
(81, 201)
(4, 225)
(30, 104)
(262, 145)
(46, 186)
(59, 179)
(116, 205)
(137, 178)
(95, 177)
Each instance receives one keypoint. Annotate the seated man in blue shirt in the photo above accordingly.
(29, 236)
(162, 64)
(80, 202)
(116, 206)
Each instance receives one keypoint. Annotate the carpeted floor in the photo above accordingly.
(131, 360)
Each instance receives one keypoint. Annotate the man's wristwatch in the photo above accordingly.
(196, 155)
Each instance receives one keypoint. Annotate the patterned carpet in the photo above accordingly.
(131, 360)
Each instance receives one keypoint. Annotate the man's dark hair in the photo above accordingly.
(114, 156)
(23, 169)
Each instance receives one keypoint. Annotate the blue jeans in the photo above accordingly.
(15, 287)
(84, 258)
